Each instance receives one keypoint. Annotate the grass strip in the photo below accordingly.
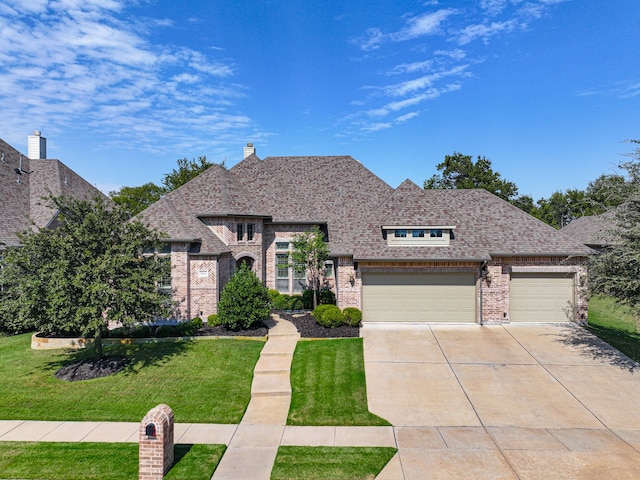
(203, 382)
(330, 463)
(328, 384)
(99, 461)
(614, 324)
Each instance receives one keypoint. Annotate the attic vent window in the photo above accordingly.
(418, 236)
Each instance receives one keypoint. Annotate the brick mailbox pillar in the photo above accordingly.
(156, 443)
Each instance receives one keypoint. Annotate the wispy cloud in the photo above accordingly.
(426, 73)
(623, 90)
(65, 60)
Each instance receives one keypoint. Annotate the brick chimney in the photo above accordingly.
(249, 150)
(37, 146)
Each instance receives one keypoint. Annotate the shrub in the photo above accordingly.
(244, 301)
(188, 329)
(273, 293)
(307, 299)
(352, 316)
(318, 312)
(213, 320)
(120, 332)
(141, 331)
(295, 303)
(327, 297)
(331, 317)
(165, 331)
(280, 302)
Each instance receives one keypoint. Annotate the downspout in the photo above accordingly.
(482, 277)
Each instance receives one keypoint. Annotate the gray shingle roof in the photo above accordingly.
(354, 203)
(594, 230)
(486, 226)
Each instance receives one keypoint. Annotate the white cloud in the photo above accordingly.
(426, 24)
(485, 31)
(68, 61)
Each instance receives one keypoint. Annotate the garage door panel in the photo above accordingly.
(419, 297)
(541, 297)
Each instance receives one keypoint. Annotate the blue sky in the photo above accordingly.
(546, 89)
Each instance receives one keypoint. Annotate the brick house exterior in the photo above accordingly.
(23, 184)
(437, 255)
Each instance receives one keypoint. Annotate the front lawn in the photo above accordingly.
(330, 463)
(99, 461)
(615, 325)
(207, 381)
(328, 384)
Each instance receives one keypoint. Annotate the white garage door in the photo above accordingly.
(542, 297)
(402, 297)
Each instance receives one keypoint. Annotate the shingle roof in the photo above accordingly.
(22, 202)
(485, 226)
(354, 203)
(593, 230)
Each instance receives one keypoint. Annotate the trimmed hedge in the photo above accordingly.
(244, 301)
(352, 316)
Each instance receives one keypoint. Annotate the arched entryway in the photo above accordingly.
(245, 260)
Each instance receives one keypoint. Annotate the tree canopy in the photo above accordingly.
(460, 172)
(136, 199)
(88, 271)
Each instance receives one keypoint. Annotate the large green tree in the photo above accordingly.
(309, 255)
(88, 271)
(136, 199)
(187, 170)
(616, 270)
(461, 172)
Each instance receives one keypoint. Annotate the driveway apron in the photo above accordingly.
(504, 402)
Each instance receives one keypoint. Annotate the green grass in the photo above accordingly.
(202, 381)
(99, 461)
(330, 463)
(328, 384)
(615, 325)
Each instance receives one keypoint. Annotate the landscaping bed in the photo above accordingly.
(309, 328)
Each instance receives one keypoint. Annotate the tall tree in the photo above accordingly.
(187, 170)
(85, 273)
(459, 171)
(136, 199)
(310, 252)
(616, 271)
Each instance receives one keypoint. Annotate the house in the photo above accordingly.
(25, 180)
(595, 231)
(400, 255)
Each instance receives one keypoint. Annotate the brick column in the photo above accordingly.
(156, 443)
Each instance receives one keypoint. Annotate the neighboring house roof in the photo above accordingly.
(354, 204)
(22, 202)
(485, 226)
(593, 230)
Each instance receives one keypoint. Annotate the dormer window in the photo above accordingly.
(427, 235)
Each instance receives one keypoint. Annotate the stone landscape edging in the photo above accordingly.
(49, 343)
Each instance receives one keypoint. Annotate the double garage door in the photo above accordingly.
(451, 297)
(409, 297)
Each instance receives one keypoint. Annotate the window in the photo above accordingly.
(249, 232)
(288, 278)
(164, 284)
(240, 232)
(328, 269)
(418, 236)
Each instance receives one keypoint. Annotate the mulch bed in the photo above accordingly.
(308, 328)
(89, 368)
(221, 331)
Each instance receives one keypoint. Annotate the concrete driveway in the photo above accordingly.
(504, 402)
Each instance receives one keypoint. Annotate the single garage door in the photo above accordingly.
(402, 297)
(542, 297)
